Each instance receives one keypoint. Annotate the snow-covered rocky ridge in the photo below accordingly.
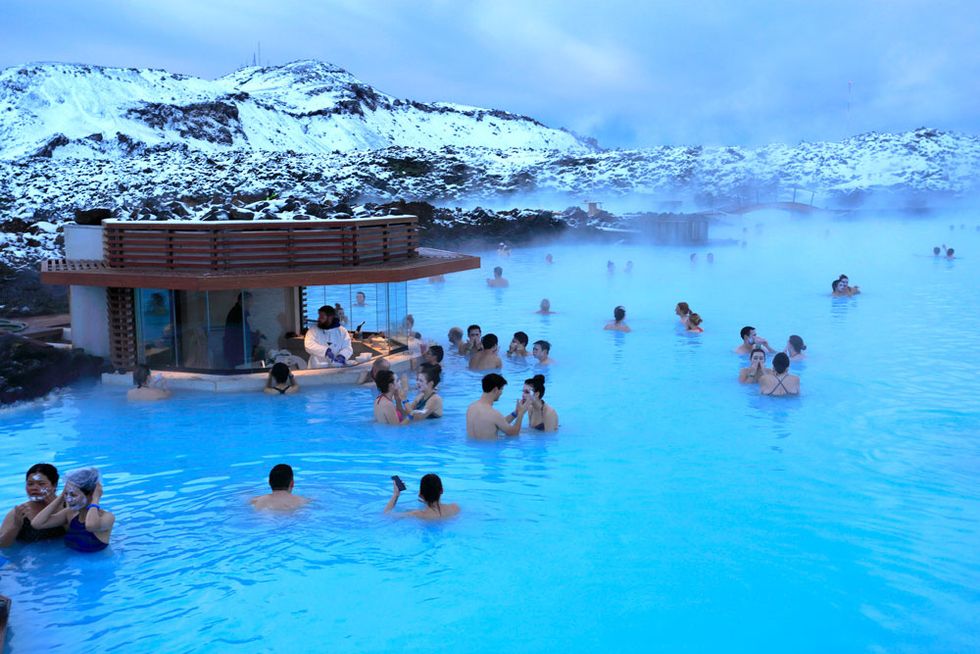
(149, 145)
(305, 106)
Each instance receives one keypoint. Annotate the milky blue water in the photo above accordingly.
(675, 510)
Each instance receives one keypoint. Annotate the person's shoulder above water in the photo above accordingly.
(146, 386)
(281, 498)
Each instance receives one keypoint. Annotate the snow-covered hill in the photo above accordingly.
(305, 107)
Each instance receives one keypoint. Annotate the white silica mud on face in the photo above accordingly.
(673, 506)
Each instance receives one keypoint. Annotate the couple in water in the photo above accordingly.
(281, 498)
(484, 422)
(775, 381)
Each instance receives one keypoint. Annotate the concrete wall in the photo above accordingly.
(89, 311)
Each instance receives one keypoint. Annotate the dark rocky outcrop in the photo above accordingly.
(92, 216)
(31, 369)
(23, 294)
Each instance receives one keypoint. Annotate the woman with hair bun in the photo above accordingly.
(428, 403)
(541, 416)
(683, 311)
(794, 348)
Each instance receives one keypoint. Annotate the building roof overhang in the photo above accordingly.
(428, 263)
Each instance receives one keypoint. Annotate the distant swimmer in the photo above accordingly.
(486, 358)
(542, 352)
(694, 324)
(750, 340)
(837, 290)
(518, 345)
(845, 287)
(694, 257)
(711, 257)
(540, 416)
(936, 251)
(455, 338)
(433, 355)
(280, 381)
(629, 267)
(437, 279)
(795, 348)
(683, 312)
(281, 498)
(610, 267)
(545, 307)
(951, 254)
(483, 421)
(503, 250)
(430, 492)
(548, 259)
(472, 342)
(780, 382)
(147, 387)
(360, 299)
(498, 280)
(618, 323)
(757, 368)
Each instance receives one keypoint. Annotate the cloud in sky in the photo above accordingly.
(631, 74)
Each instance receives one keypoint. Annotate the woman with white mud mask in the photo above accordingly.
(87, 526)
(42, 490)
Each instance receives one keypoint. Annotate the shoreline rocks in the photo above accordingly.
(30, 369)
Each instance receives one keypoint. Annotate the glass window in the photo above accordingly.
(156, 346)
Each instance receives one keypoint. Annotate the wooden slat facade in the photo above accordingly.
(250, 245)
(122, 327)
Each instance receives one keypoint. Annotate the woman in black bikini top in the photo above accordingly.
(541, 416)
(281, 381)
(780, 382)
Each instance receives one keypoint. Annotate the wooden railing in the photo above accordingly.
(268, 244)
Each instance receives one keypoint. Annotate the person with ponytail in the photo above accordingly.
(794, 348)
(541, 416)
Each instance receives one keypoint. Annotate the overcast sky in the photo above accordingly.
(630, 73)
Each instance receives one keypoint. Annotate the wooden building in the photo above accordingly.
(217, 297)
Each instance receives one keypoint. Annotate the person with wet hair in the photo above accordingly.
(540, 416)
(428, 403)
(280, 381)
(618, 323)
(779, 382)
(281, 498)
(794, 348)
(844, 287)
(486, 358)
(433, 355)
(518, 345)
(87, 525)
(473, 342)
(328, 342)
(936, 251)
(371, 375)
(483, 422)
(694, 324)
(498, 280)
(455, 338)
(683, 311)
(751, 340)
(545, 307)
(430, 492)
(146, 386)
(756, 369)
(41, 485)
(950, 254)
(542, 352)
(389, 406)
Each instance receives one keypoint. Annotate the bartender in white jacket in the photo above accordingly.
(328, 344)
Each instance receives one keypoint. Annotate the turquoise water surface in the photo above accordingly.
(675, 510)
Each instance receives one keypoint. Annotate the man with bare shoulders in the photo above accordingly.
(542, 352)
(545, 309)
(281, 498)
(750, 341)
(498, 280)
(487, 357)
(483, 422)
(472, 342)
